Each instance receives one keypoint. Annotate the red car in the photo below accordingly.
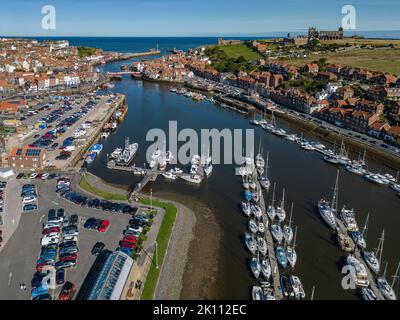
(129, 239)
(39, 176)
(51, 230)
(126, 244)
(40, 266)
(72, 256)
(104, 225)
(66, 153)
(67, 291)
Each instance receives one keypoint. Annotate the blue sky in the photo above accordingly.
(191, 17)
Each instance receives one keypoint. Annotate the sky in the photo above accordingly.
(191, 17)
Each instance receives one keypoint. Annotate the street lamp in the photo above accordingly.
(156, 253)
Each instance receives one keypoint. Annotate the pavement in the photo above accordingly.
(18, 256)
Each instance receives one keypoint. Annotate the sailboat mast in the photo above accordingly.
(365, 229)
(312, 293)
(295, 236)
(335, 194)
(396, 275)
(273, 195)
(266, 166)
(291, 214)
(283, 198)
(380, 247)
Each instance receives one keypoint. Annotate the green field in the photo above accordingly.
(162, 240)
(85, 51)
(85, 185)
(384, 60)
(235, 51)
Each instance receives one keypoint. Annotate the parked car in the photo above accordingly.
(104, 226)
(97, 248)
(60, 276)
(67, 291)
(30, 207)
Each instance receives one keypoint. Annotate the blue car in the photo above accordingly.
(30, 207)
(60, 276)
(128, 251)
(89, 223)
(39, 291)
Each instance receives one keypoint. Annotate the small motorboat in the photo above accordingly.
(253, 226)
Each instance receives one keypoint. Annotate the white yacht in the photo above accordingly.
(360, 277)
(359, 238)
(195, 160)
(116, 153)
(266, 269)
(257, 293)
(253, 226)
(384, 286)
(168, 156)
(105, 135)
(250, 242)
(256, 210)
(264, 181)
(328, 211)
(176, 170)
(261, 227)
(262, 245)
(291, 252)
(277, 233)
(356, 169)
(375, 178)
(246, 208)
(255, 266)
(280, 210)
(373, 259)
(297, 286)
(271, 212)
(349, 219)
(368, 294)
(169, 175)
(194, 178)
(288, 230)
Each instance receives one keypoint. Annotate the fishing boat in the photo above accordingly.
(266, 269)
(291, 252)
(360, 275)
(250, 242)
(345, 242)
(255, 266)
(281, 256)
(116, 153)
(359, 238)
(253, 226)
(193, 178)
(169, 175)
(368, 294)
(264, 181)
(246, 208)
(262, 245)
(256, 210)
(127, 154)
(328, 211)
(280, 210)
(349, 219)
(277, 233)
(261, 227)
(271, 212)
(90, 158)
(297, 286)
(257, 293)
(287, 229)
(385, 288)
(373, 259)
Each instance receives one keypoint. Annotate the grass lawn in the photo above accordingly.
(162, 239)
(85, 185)
(381, 60)
(234, 51)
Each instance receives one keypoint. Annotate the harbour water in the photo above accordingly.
(304, 175)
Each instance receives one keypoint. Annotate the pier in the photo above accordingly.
(357, 254)
(271, 249)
